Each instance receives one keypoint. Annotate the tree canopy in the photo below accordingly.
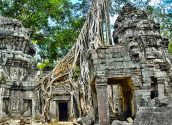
(56, 24)
(54, 28)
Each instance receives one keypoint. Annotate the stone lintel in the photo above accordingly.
(160, 80)
(101, 83)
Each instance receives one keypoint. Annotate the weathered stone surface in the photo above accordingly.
(154, 116)
(86, 120)
(117, 122)
(137, 55)
(16, 69)
(102, 96)
(129, 120)
(134, 73)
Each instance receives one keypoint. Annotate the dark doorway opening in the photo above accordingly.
(127, 107)
(153, 94)
(63, 111)
(154, 87)
(5, 105)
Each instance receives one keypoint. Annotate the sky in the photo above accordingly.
(74, 1)
(154, 2)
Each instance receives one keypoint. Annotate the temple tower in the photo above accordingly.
(135, 71)
(16, 69)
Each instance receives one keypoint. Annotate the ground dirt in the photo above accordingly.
(33, 122)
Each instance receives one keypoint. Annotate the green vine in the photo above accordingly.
(76, 73)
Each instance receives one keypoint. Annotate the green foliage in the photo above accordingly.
(116, 5)
(43, 65)
(76, 72)
(170, 46)
(163, 14)
(150, 9)
(54, 27)
(56, 24)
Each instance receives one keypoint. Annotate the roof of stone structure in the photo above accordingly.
(9, 21)
(13, 28)
(15, 40)
(133, 23)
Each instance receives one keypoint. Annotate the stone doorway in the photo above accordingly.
(121, 97)
(63, 111)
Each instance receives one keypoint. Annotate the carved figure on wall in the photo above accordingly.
(14, 74)
(15, 102)
(16, 64)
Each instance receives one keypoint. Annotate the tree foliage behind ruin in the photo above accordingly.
(54, 28)
(56, 24)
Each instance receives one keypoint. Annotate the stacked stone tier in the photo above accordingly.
(14, 37)
(13, 27)
(15, 58)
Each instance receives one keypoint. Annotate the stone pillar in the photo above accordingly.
(33, 106)
(102, 97)
(53, 109)
(16, 103)
(161, 83)
(57, 110)
(1, 101)
(120, 105)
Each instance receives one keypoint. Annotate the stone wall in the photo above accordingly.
(154, 116)
(17, 81)
(139, 57)
(147, 49)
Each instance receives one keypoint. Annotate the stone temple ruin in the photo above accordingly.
(127, 80)
(17, 86)
(135, 71)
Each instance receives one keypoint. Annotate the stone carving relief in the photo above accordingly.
(15, 102)
(147, 49)
(16, 64)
